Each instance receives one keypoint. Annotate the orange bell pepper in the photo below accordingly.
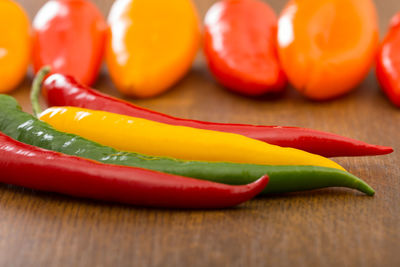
(15, 45)
(327, 47)
(152, 44)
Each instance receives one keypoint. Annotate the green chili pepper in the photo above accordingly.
(28, 129)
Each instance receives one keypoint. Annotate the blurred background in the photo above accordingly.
(386, 8)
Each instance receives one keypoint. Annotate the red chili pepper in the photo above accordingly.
(45, 170)
(64, 90)
(241, 48)
(388, 62)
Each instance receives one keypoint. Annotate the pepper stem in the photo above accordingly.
(36, 88)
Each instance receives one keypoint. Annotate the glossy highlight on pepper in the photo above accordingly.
(55, 172)
(70, 36)
(15, 45)
(28, 129)
(327, 47)
(62, 90)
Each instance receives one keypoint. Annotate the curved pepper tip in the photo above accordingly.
(262, 182)
(369, 191)
(255, 188)
(364, 187)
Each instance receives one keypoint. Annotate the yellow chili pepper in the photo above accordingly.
(15, 45)
(159, 139)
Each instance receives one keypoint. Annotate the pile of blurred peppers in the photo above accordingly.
(323, 48)
(93, 145)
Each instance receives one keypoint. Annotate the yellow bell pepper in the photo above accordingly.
(159, 139)
(15, 45)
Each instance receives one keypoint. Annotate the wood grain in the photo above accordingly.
(335, 227)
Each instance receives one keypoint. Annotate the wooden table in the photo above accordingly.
(334, 227)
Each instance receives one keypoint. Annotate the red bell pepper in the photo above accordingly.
(240, 46)
(45, 170)
(61, 90)
(388, 62)
(70, 36)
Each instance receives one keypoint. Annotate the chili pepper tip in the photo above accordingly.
(364, 187)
